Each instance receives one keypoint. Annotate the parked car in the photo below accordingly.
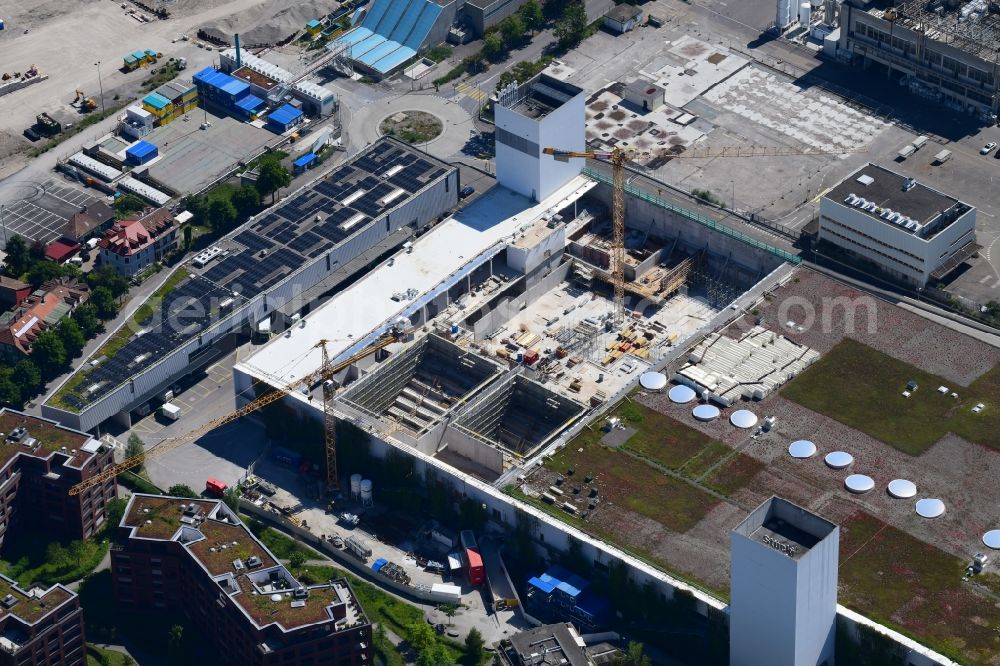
(466, 192)
(988, 148)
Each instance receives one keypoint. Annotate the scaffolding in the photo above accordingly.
(973, 27)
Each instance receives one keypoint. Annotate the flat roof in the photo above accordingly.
(538, 97)
(886, 199)
(786, 527)
(263, 252)
(258, 584)
(49, 437)
(550, 644)
(352, 315)
(258, 79)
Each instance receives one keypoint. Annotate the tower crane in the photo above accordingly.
(619, 157)
(325, 373)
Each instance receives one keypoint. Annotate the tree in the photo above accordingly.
(181, 490)
(48, 353)
(221, 214)
(633, 656)
(421, 636)
(86, 316)
(104, 303)
(127, 204)
(232, 497)
(434, 655)
(72, 336)
(572, 27)
(37, 251)
(44, 271)
(247, 201)
(110, 278)
(10, 392)
(531, 14)
(297, 559)
(18, 258)
(27, 376)
(492, 46)
(134, 447)
(188, 236)
(175, 645)
(512, 28)
(272, 177)
(474, 644)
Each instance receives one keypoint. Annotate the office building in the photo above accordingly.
(910, 231)
(40, 627)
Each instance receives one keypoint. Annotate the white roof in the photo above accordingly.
(145, 191)
(183, 216)
(101, 169)
(313, 90)
(352, 315)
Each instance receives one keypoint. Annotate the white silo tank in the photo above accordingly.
(805, 13)
(366, 491)
(355, 485)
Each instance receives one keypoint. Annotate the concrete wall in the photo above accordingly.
(478, 452)
(524, 258)
(692, 236)
(424, 207)
(506, 309)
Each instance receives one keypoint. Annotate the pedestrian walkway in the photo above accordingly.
(471, 91)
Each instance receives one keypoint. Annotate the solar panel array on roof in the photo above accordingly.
(271, 248)
(184, 313)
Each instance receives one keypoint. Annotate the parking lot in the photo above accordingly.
(43, 212)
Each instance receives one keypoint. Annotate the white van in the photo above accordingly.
(170, 411)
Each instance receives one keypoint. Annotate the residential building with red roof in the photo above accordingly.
(44, 308)
(133, 244)
(13, 292)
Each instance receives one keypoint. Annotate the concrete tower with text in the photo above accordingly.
(783, 587)
(542, 113)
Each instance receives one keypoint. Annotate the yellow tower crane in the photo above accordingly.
(619, 157)
(324, 374)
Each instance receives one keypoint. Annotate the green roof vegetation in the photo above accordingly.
(117, 340)
(225, 534)
(157, 517)
(264, 611)
(32, 609)
(862, 388)
(917, 589)
(50, 437)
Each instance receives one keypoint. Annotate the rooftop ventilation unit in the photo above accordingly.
(253, 562)
(8, 601)
(300, 593)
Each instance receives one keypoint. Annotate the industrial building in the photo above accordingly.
(197, 557)
(539, 113)
(276, 263)
(227, 94)
(910, 231)
(40, 626)
(277, 85)
(171, 100)
(40, 461)
(392, 32)
(559, 595)
(784, 587)
(943, 50)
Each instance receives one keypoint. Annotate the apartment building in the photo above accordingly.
(197, 557)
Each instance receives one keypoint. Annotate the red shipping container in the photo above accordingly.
(530, 356)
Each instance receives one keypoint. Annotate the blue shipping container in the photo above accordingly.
(286, 457)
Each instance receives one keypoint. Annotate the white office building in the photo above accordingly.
(912, 232)
(784, 588)
(541, 113)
